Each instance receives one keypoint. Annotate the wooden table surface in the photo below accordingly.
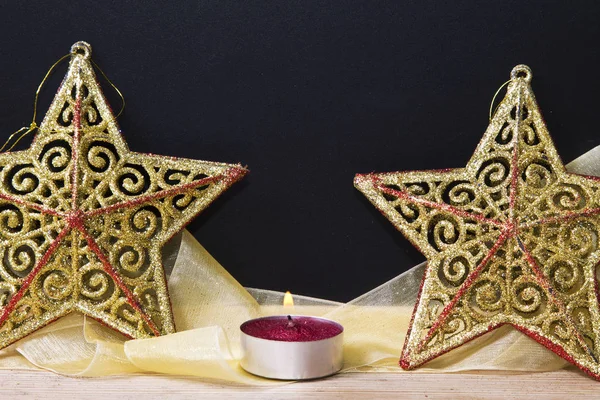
(550, 385)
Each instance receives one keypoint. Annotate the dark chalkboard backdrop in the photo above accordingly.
(307, 93)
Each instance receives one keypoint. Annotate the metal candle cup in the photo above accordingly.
(292, 347)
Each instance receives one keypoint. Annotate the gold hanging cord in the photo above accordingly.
(492, 109)
(24, 131)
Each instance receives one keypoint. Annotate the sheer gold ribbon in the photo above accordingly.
(209, 305)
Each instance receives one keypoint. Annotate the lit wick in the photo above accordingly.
(291, 322)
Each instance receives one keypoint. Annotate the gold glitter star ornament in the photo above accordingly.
(512, 238)
(83, 219)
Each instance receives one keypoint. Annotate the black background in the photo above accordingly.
(308, 93)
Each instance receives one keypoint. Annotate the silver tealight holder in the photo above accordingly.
(273, 354)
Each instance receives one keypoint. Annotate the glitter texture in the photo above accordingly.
(83, 219)
(291, 329)
(510, 239)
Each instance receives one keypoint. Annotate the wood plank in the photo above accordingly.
(550, 385)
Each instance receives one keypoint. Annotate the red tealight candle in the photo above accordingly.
(292, 347)
(292, 329)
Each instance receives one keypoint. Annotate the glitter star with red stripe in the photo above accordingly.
(83, 219)
(511, 239)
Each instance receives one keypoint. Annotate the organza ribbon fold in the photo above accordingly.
(209, 305)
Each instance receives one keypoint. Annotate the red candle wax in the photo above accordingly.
(291, 329)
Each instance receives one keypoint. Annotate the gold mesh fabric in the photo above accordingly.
(512, 239)
(83, 219)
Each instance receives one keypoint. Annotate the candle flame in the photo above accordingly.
(288, 300)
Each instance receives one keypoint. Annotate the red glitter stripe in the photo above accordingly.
(154, 196)
(31, 276)
(113, 273)
(465, 286)
(439, 206)
(543, 281)
(75, 152)
(28, 204)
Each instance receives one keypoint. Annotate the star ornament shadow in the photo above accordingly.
(83, 219)
(512, 238)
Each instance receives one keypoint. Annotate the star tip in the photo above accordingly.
(364, 179)
(405, 364)
(237, 172)
(359, 179)
(243, 168)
